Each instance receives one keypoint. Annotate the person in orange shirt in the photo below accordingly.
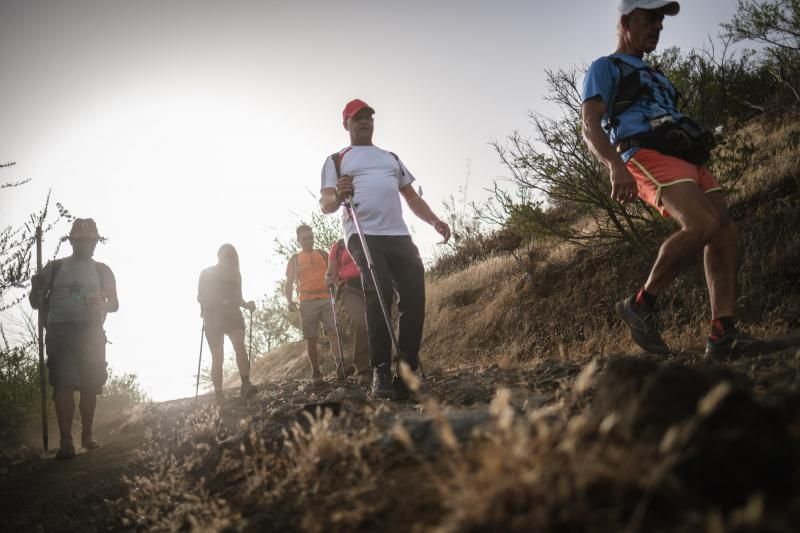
(306, 269)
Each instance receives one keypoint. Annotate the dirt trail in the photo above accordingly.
(263, 464)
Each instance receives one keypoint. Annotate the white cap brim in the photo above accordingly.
(666, 7)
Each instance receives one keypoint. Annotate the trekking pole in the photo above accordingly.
(348, 205)
(40, 329)
(338, 334)
(250, 344)
(199, 360)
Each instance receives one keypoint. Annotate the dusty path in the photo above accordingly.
(42, 494)
(452, 462)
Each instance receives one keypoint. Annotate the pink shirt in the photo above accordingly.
(347, 268)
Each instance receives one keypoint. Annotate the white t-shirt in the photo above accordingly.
(377, 178)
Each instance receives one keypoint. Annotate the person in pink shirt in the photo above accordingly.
(344, 275)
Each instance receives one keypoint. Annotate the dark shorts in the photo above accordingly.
(225, 324)
(76, 356)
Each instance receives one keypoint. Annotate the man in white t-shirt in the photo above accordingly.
(376, 179)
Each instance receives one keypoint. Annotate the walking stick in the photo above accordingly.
(342, 373)
(199, 360)
(250, 344)
(352, 212)
(40, 329)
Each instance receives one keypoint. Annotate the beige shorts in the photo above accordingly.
(312, 312)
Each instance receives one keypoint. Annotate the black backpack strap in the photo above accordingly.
(628, 90)
(402, 172)
(337, 164)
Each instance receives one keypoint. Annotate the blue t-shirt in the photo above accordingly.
(602, 79)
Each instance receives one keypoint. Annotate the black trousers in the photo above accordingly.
(397, 267)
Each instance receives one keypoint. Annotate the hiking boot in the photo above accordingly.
(316, 378)
(382, 382)
(66, 450)
(247, 390)
(735, 343)
(219, 397)
(364, 378)
(642, 321)
(400, 390)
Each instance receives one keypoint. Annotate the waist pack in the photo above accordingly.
(685, 139)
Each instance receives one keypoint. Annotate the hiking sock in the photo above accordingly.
(646, 298)
(722, 325)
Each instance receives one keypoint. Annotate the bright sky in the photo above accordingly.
(180, 125)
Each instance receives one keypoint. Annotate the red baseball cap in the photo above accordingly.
(353, 107)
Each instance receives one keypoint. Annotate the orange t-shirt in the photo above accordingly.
(310, 268)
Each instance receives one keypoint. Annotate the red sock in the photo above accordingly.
(722, 325)
(644, 297)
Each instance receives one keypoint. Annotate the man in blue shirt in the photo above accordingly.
(632, 124)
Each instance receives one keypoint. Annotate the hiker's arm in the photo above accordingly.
(329, 201)
(332, 197)
(39, 286)
(331, 274)
(623, 186)
(112, 301)
(424, 212)
(251, 305)
(288, 290)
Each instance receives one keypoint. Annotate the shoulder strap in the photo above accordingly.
(628, 89)
(402, 172)
(101, 269)
(323, 254)
(337, 160)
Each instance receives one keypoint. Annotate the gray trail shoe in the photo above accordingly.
(735, 343)
(642, 320)
(382, 382)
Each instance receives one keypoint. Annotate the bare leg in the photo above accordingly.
(88, 404)
(700, 223)
(333, 336)
(313, 354)
(216, 343)
(65, 409)
(720, 261)
(242, 361)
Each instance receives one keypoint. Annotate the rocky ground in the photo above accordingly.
(614, 443)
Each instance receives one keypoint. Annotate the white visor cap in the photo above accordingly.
(664, 6)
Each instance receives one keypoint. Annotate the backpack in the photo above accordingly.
(295, 263)
(684, 138)
(44, 308)
(630, 88)
(337, 161)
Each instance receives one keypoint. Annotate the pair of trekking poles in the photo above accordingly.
(200, 359)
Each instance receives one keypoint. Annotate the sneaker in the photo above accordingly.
(316, 378)
(365, 378)
(66, 450)
(735, 343)
(382, 383)
(219, 397)
(88, 443)
(247, 389)
(642, 320)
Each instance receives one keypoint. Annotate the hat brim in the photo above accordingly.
(665, 7)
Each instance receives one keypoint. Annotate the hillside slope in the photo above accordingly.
(537, 415)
